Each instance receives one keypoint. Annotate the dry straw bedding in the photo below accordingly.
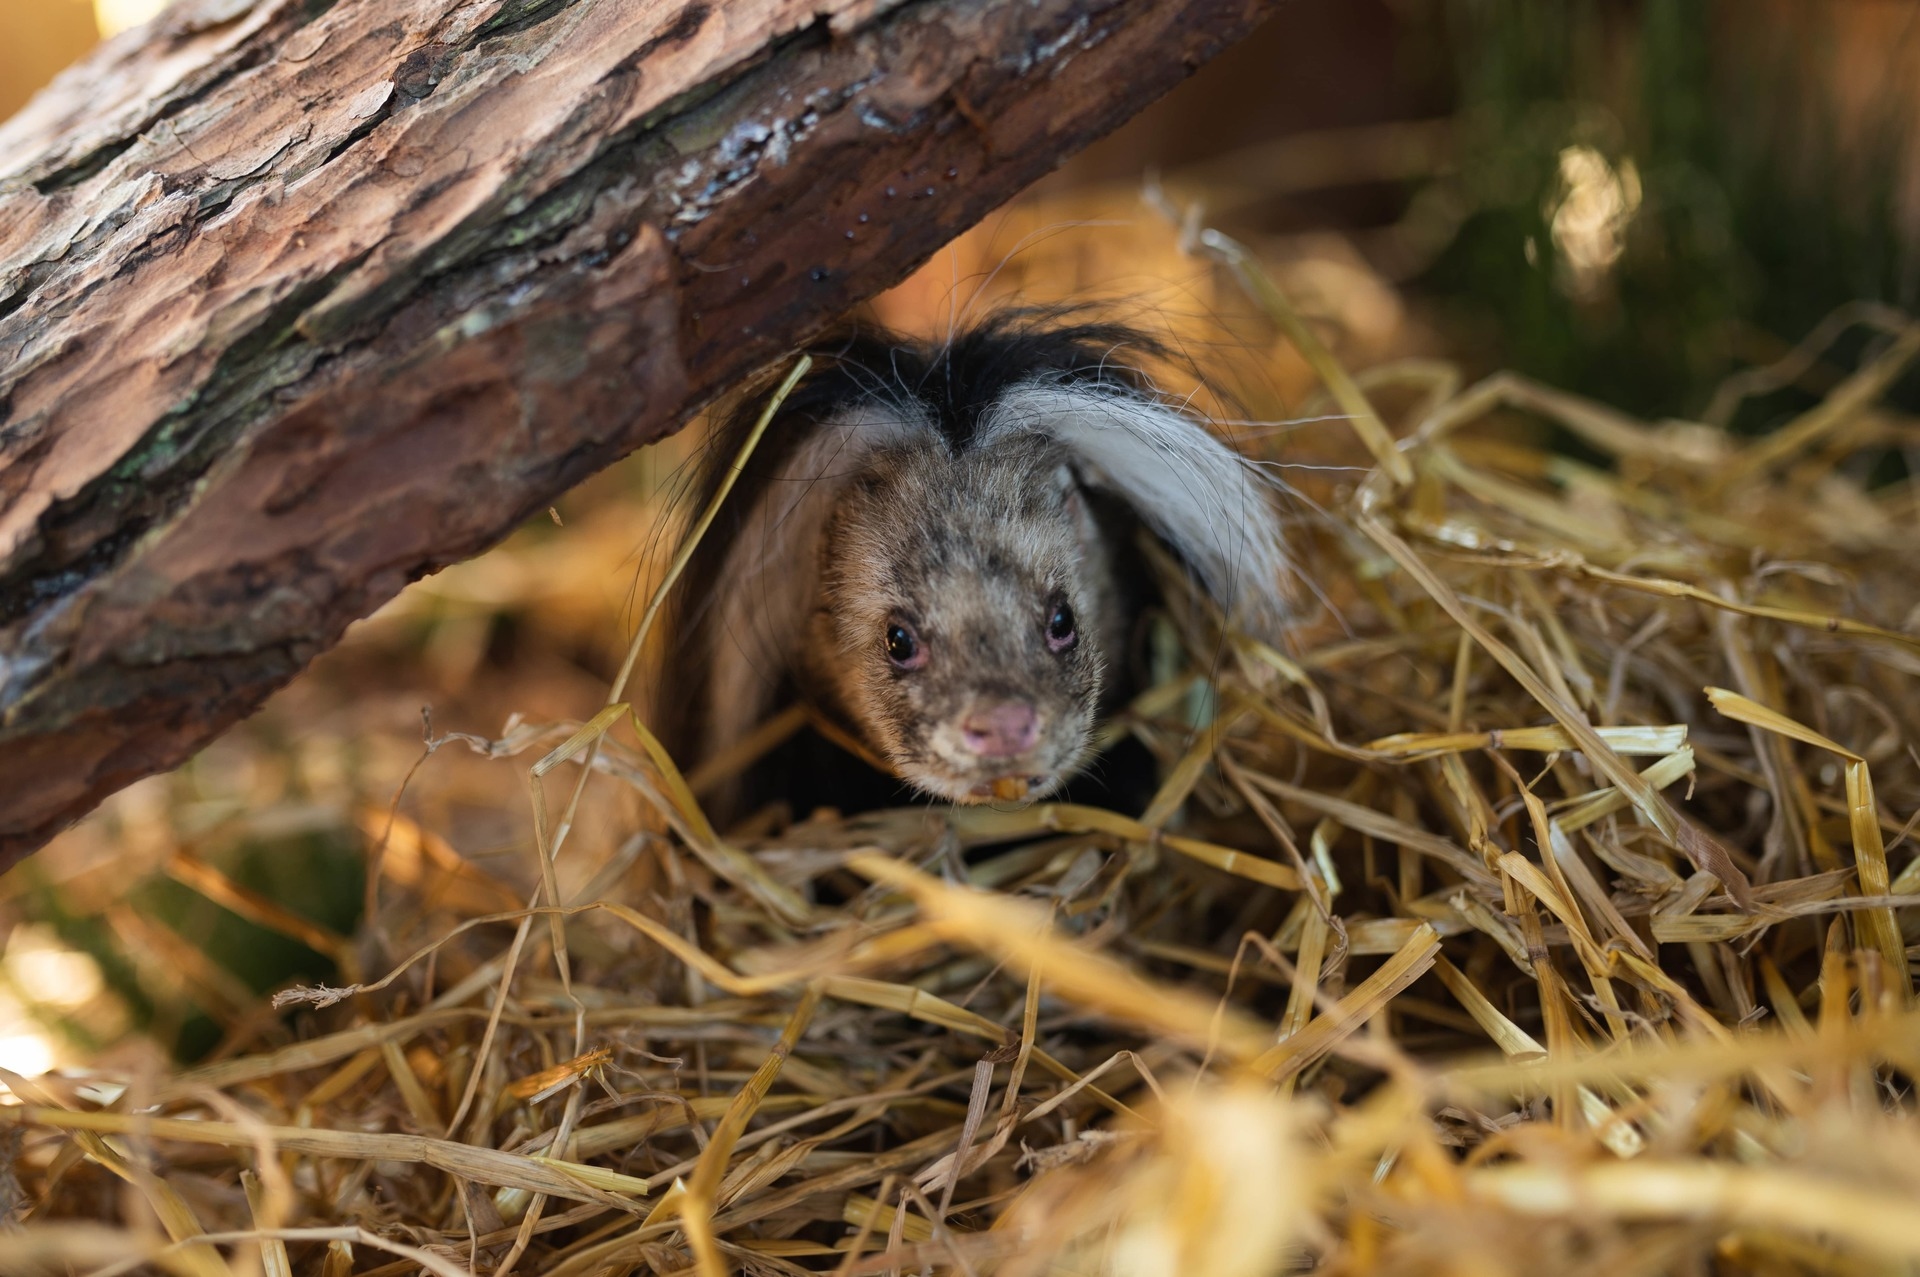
(1543, 910)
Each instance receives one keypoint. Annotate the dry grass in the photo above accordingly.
(1540, 911)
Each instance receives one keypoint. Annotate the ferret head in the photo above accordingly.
(964, 622)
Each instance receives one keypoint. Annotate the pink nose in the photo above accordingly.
(1001, 731)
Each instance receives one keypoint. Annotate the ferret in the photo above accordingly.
(935, 548)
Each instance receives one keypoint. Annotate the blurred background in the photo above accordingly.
(1631, 200)
(40, 37)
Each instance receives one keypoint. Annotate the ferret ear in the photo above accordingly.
(1069, 489)
(1065, 481)
(1211, 506)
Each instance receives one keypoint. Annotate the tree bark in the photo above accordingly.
(301, 300)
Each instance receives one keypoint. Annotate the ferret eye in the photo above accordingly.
(1061, 632)
(903, 646)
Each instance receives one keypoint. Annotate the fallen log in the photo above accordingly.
(301, 301)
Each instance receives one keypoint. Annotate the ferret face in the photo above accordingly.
(959, 601)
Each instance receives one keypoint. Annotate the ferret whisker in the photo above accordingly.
(1031, 239)
(1314, 467)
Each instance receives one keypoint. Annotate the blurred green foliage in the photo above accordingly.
(317, 874)
(1762, 204)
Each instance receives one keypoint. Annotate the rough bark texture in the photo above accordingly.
(301, 300)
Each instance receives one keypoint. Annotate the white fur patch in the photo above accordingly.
(1206, 501)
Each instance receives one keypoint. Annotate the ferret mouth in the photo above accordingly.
(1013, 789)
(1008, 789)
(949, 773)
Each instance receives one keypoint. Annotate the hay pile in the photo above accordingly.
(1540, 912)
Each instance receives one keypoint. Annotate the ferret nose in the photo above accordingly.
(1006, 730)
